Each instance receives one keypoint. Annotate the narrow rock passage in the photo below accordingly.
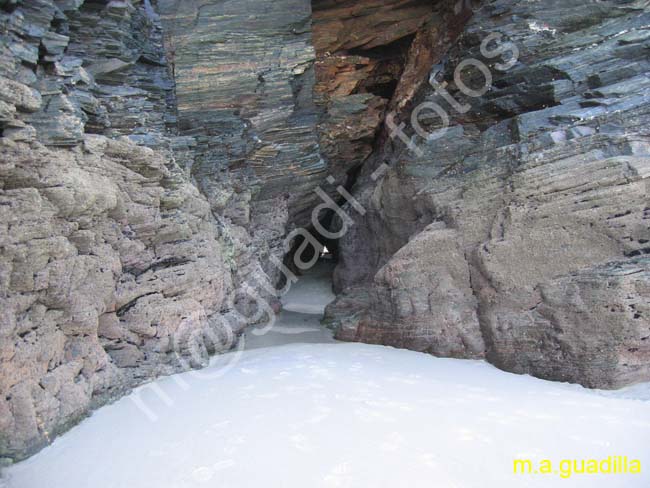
(302, 310)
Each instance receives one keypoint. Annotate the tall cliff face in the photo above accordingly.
(520, 233)
(155, 155)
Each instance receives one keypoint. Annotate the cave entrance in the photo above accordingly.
(311, 258)
(303, 305)
(325, 254)
(362, 52)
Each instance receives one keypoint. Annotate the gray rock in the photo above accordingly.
(109, 255)
(252, 114)
(23, 97)
(79, 291)
(591, 325)
(543, 185)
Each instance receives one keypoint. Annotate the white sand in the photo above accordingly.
(303, 307)
(343, 415)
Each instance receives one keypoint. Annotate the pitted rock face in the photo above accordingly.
(542, 187)
(107, 255)
(112, 265)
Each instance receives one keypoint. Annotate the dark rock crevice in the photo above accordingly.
(370, 60)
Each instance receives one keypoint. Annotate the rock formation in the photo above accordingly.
(519, 234)
(370, 57)
(108, 253)
(114, 267)
(155, 155)
(244, 78)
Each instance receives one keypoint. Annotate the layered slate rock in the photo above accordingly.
(244, 78)
(539, 189)
(151, 166)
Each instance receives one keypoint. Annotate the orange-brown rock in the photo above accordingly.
(380, 48)
(349, 24)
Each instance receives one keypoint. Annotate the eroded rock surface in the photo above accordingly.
(108, 259)
(518, 234)
(113, 267)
